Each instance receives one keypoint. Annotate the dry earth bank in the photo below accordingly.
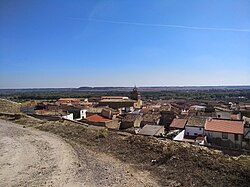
(177, 164)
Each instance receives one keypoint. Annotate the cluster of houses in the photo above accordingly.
(213, 127)
(210, 124)
(211, 131)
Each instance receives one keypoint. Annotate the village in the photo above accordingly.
(212, 123)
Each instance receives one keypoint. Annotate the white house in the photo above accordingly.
(83, 114)
(195, 126)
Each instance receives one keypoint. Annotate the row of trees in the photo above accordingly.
(232, 95)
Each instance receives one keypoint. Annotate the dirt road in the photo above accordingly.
(29, 157)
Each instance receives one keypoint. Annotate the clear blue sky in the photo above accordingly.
(59, 43)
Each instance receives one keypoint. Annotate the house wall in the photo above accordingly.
(194, 131)
(236, 116)
(138, 104)
(223, 115)
(107, 113)
(69, 116)
(215, 138)
(83, 114)
(137, 122)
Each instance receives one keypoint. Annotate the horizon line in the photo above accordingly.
(152, 86)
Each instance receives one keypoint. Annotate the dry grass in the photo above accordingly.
(9, 106)
(182, 164)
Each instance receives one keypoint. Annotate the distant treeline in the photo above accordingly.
(232, 95)
(212, 94)
(25, 96)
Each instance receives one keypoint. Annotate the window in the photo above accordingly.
(236, 138)
(218, 116)
(224, 135)
(195, 134)
(187, 133)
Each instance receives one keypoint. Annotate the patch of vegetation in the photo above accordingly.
(222, 95)
(235, 95)
(9, 106)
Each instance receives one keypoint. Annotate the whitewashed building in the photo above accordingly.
(195, 126)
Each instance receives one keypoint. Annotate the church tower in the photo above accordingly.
(137, 97)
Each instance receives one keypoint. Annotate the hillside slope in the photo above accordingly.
(9, 106)
(177, 164)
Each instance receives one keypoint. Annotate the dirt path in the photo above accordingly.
(29, 157)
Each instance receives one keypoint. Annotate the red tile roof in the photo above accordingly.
(97, 118)
(178, 123)
(228, 126)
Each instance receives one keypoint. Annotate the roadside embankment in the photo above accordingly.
(175, 164)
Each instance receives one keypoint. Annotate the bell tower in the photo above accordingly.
(137, 97)
(134, 94)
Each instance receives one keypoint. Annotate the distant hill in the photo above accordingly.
(162, 88)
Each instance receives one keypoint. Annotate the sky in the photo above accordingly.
(59, 43)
